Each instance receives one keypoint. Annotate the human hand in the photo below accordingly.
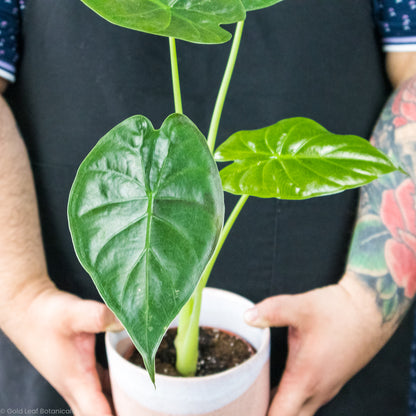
(333, 333)
(57, 335)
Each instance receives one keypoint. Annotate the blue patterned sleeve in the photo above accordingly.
(9, 36)
(396, 21)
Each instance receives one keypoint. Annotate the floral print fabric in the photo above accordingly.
(9, 32)
(396, 21)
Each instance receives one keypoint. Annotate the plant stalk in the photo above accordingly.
(187, 339)
(223, 236)
(175, 76)
(219, 104)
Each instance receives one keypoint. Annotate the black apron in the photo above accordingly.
(79, 76)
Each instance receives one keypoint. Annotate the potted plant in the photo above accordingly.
(146, 208)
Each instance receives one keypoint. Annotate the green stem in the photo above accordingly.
(219, 104)
(175, 76)
(187, 339)
(223, 236)
(186, 342)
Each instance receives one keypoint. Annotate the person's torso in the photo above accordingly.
(79, 76)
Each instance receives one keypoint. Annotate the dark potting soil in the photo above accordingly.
(218, 351)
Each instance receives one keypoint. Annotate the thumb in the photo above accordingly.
(280, 310)
(94, 317)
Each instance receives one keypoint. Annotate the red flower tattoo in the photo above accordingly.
(399, 216)
(404, 106)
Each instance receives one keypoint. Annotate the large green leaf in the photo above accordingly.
(194, 21)
(297, 158)
(145, 212)
(258, 4)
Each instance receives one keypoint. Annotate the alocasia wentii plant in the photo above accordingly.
(145, 218)
(146, 208)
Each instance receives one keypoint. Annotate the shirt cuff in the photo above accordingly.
(399, 44)
(7, 71)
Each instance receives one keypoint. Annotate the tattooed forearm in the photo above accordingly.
(383, 249)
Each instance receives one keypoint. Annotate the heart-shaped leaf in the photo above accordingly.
(194, 21)
(297, 158)
(145, 212)
(258, 4)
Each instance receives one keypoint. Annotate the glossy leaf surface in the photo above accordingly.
(297, 158)
(145, 212)
(258, 4)
(194, 21)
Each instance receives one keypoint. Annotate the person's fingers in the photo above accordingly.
(286, 403)
(283, 310)
(308, 408)
(94, 317)
(293, 399)
(85, 391)
(89, 402)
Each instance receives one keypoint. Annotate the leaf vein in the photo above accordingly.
(178, 231)
(109, 204)
(129, 178)
(318, 174)
(118, 232)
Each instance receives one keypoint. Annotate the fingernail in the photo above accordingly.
(115, 326)
(251, 315)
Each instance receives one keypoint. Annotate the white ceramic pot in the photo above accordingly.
(242, 390)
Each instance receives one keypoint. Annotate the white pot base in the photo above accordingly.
(242, 390)
(244, 405)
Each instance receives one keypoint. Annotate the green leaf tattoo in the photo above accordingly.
(367, 248)
(383, 248)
